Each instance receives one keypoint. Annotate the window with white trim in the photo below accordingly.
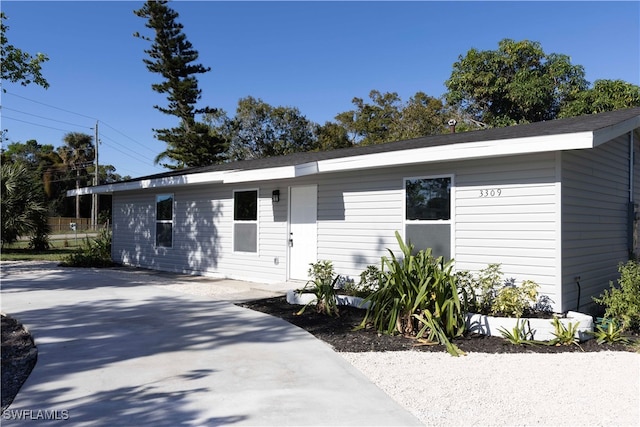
(245, 221)
(428, 213)
(164, 220)
(428, 199)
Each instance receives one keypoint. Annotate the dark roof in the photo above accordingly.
(587, 123)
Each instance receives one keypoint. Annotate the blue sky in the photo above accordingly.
(315, 56)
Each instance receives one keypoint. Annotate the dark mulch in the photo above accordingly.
(340, 334)
(19, 355)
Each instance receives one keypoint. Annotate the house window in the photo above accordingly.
(164, 220)
(428, 199)
(245, 221)
(428, 214)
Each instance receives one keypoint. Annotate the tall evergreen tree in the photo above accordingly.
(173, 57)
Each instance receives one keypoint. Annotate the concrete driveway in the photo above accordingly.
(117, 347)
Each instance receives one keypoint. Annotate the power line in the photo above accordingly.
(78, 114)
(35, 124)
(45, 118)
(121, 145)
(126, 136)
(51, 106)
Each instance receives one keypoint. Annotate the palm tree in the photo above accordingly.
(23, 210)
(77, 154)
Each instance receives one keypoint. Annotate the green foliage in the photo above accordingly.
(387, 118)
(323, 286)
(610, 331)
(22, 208)
(605, 95)
(417, 297)
(488, 293)
(18, 66)
(260, 130)
(623, 302)
(517, 83)
(564, 335)
(96, 253)
(172, 56)
(321, 270)
(513, 301)
(40, 241)
(521, 334)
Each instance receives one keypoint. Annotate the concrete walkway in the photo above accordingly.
(122, 347)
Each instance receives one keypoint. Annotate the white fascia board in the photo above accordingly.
(607, 134)
(265, 174)
(163, 182)
(464, 151)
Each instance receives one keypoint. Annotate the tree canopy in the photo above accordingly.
(605, 95)
(18, 66)
(517, 83)
(173, 57)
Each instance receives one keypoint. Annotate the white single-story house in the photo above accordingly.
(554, 202)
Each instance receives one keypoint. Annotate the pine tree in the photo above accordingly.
(171, 55)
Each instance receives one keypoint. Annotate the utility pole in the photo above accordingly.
(96, 181)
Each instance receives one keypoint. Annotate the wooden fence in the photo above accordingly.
(66, 225)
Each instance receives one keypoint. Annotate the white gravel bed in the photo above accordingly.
(567, 389)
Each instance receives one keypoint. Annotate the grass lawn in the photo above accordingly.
(20, 251)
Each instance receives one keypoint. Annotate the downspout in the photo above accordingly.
(631, 206)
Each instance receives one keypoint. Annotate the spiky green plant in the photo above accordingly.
(417, 296)
(564, 335)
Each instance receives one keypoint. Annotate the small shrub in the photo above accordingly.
(323, 286)
(39, 242)
(488, 293)
(322, 270)
(564, 335)
(623, 302)
(609, 331)
(417, 296)
(521, 334)
(369, 283)
(96, 253)
(513, 301)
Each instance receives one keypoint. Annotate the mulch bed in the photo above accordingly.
(19, 355)
(340, 334)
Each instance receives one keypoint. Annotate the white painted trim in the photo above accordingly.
(603, 135)
(233, 222)
(448, 152)
(462, 151)
(452, 212)
(558, 228)
(170, 181)
(164, 221)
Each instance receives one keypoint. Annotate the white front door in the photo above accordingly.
(303, 231)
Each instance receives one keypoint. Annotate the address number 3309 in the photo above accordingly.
(491, 192)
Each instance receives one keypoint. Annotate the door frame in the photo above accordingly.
(289, 223)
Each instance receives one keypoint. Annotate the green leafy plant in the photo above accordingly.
(417, 296)
(323, 286)
(322, 270)
(609, 331)
(93, 253)
(513, 301)
(623, 302)
(488, 293)
(369, 283)
(521, 334)
(564, 335)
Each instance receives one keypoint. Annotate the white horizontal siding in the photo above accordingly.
(595, 194)
(203, 234)
(518, 227)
